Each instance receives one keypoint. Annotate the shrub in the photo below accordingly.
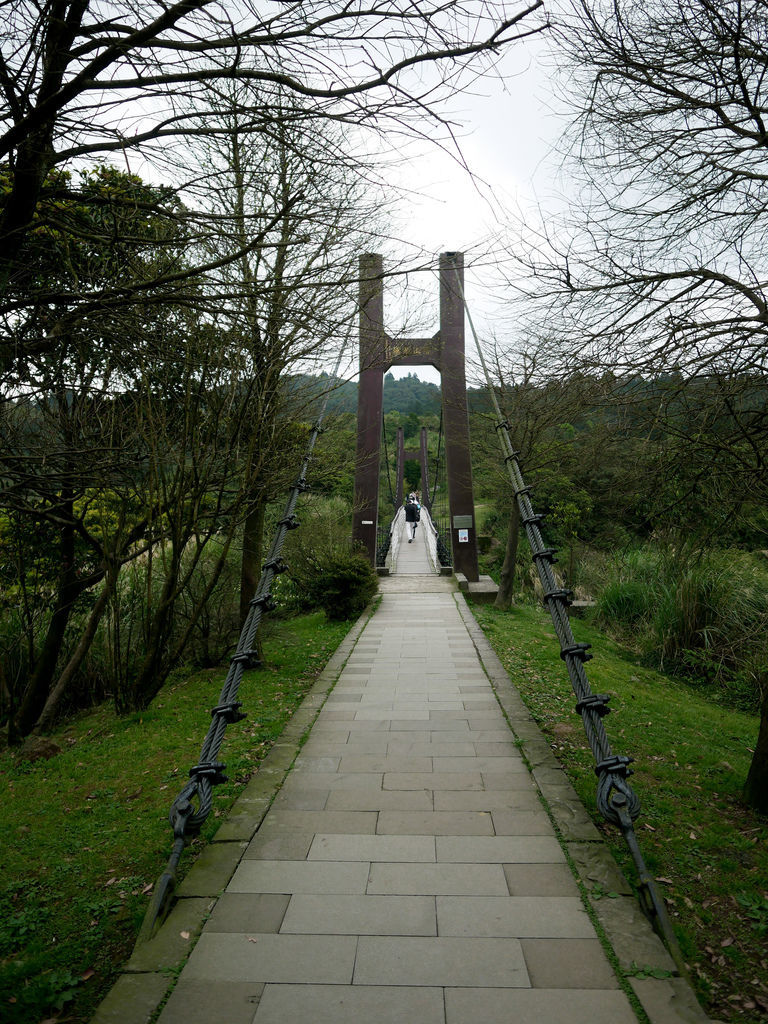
(344, 586)
(624, 602)
(699, 614)
(324, 571)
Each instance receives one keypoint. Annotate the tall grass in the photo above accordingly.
(699, 614)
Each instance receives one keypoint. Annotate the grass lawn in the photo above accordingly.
(708, 852)
(86, 834)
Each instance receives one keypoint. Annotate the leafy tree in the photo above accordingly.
(119, 446)
(537, 409)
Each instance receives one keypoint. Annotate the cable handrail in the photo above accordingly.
(185, 818)
(616, 800)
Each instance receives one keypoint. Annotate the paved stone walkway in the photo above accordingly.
(407, 871)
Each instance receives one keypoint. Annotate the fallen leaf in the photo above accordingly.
(727, 942)
(665, 881)
(184, 935)
(88, 974)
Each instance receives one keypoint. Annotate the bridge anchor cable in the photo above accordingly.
(615, 798)
(192, 806)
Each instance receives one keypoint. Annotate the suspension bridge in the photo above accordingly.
(410, 851)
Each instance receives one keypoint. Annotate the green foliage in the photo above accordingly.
(411, 475)
(324, 571)
(344, 587)
(756, 905)
(22, 914)
(411, 397)
(627, 602)
(699, 614)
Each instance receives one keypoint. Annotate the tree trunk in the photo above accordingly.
(151, 675)
(756, 786)
(69, 671)
(507, 584)
(69, 589)
(250, 566)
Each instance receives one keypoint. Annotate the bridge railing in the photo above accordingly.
(441, 524)
(430, 539)
(395, 536)
(383, 541)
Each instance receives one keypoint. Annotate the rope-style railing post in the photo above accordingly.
(185, 817)
(616, 800)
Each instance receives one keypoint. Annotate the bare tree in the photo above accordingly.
(661, 272)
(86, 79)
(662, 264)
(314, 205)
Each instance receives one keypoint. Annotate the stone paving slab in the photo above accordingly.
(400, 867)
(380, 800)
(361, 915)
(404, 960)
(201, 1002)
(288, 876)
(256, 957)
(328, 1004)
(551, 917)
(432, 879)
(409, 849)
(537, 1006)
(435, 823)
(499, 849)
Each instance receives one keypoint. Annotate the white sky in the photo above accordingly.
(507, 136)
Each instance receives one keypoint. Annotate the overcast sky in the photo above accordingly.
(508, 134)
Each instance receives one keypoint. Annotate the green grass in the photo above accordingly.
(708, 851)
(86, 834)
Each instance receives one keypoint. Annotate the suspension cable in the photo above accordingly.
(186, 820)
(437, 458)
(616, 800)
(392, 501)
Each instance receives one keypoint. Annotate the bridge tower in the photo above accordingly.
(444, 351)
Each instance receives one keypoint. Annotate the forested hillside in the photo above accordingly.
(405, 394)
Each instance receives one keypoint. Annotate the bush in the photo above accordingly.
(624, 602)
(698, 614)
(324, 570)
(344, 586)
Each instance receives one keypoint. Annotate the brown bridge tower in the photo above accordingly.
(444, 351)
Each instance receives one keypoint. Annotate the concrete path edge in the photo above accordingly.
(637, 948)
(150, 975)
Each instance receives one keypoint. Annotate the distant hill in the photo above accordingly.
(406, 395)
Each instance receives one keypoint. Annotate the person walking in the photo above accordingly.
(411, 515)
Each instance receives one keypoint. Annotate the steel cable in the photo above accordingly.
(185, 817)
(392, 499)
(615, 798)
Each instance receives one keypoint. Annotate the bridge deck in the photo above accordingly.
(407, 871)
(412, 558)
